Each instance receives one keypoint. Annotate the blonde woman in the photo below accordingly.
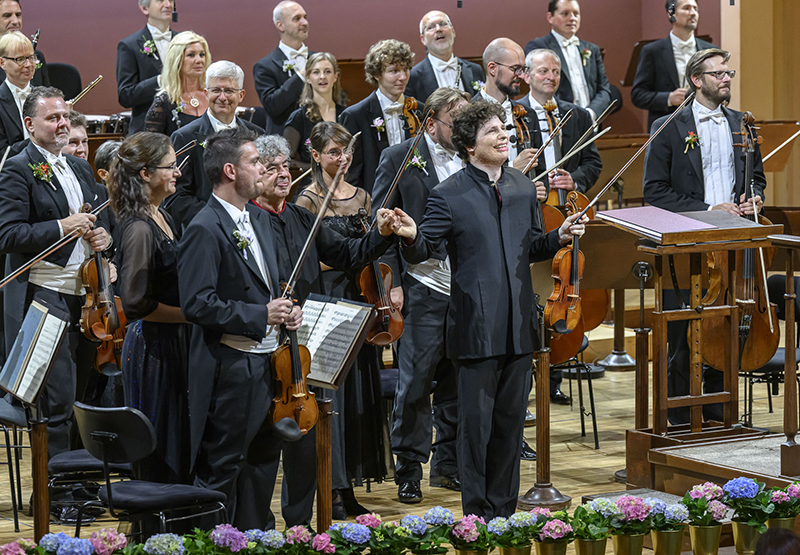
(180, 98)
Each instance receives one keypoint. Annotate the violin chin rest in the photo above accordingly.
(561, 327)
(287, 430)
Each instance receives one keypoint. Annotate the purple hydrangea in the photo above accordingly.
(741, 488)
(780, 496)
(717, 509)
(794, 490)
(498, 526)
(225, 535)
(107, 540)
(657, 506)
(297, 534)
(438, 515)
(355, 533)
(633, 508)
(415, 524)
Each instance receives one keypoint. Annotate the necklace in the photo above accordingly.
(194, 102)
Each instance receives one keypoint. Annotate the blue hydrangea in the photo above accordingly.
(677, 512)
(741, 488)
(604, 507)
(438, 515)
(255, 535)
(498, 526)
(164, 544)
(75, 546)
(657, 506)
(50, 542)
(355, 533)
(416, 525)
(273, 539)
(521, 520)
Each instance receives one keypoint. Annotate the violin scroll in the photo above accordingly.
(410, 107)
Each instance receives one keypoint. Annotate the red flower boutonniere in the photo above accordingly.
(692, 140)
(42, 171)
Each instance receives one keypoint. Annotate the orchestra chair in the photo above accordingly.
(581, 370)
(14, 422)
(772, 372)
(122, 435)
(65, 77)
(253, 114)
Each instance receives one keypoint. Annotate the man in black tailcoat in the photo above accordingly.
(11, 20)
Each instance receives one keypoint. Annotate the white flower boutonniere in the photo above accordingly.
(149, 48)
(478, 85)
(204, 143)
(243, 240)
(288, 66)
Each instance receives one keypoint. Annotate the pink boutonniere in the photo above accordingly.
(379, 125)
(691, 140)
(418, 162)
(149, 48)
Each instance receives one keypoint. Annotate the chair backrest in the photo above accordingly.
(776, 285)
(65, 77)
(130, 434)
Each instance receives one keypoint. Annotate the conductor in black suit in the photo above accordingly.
(41, 195)
(683, 174)
(281, 75)
(224, 91)
(660, 82)
(228, 276)
(139, 60)
(584, 81)
(440, 68)
(19, 62)
(486, 214)
(11, 20)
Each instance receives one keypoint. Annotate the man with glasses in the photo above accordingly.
(11, 20)
(504, 63)
(584, 81)
(18, 61)
(441, 68)
(224, 91)
(426, 286)
(693, 165)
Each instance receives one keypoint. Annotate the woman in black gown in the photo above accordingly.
(156, 345)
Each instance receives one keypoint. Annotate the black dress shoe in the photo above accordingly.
(527, 453)
(559, 398)
(351, 504)
(409, 492)
(452, 482)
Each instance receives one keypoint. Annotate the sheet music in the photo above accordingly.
(311, 313)
(49, 336)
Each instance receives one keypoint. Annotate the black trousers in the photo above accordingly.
(493, 394)
(421, 361)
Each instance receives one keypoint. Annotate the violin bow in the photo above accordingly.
(783, 144)
(592, 128)
(49, 250)
(185, 148)
(5, 157)
(312, 235)
(35, 40)
(550, 139)
(635, 156)
(573, 151)
(89, 87)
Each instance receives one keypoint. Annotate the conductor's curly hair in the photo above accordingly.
(384, 53)
(468, 121)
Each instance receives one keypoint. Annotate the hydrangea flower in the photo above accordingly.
(717, 509)
(355, 533)
(322, 544)
(794, 490)
(273, 539)
(438, 515)
(540, 511)
(414, 524)
(521, 520)
(709, 490)
(466, 530)
(604, 507)
(50, 542)
(741, 488)
(402, 532)
(298, 534)
(371, 520)
(779, 496)
(164, 544)
(498, 526)
(225, 535)
(107, 540)
(555, 530)
(657, 506)
(677, 512)
(12, 548)
(633, 508)
(75, 546)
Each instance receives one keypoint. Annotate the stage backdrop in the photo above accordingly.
(85, 34)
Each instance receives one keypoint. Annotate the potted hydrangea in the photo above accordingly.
(386, 538)
(706, 511)
(591, 526)
(667, 524)
(629, 525)
(553, 532)
(427, 536)
(349, 538)
(752, 505)
(469, 536)
(787, 506)
(513, 535)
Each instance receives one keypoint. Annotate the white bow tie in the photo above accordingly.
(22, 94)
(394, 109)
(244, 218)
(158, 35)
(60, 163)
(716, 117)
(302, 53)
(687, 45)
(442, 152)
(452, 63)
(569, 42)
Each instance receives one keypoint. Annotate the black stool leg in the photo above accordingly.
(580, 399)
(11, 481)
(591, 405)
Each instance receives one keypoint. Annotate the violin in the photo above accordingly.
(374, 283)
(759, 333)
(107, 359)
(99, 317)
(410, 107)
(291, 363)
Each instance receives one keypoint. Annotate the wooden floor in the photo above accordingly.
(577, 468)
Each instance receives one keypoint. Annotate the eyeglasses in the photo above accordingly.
(22, 60)
(443, 25)
(338, 153)
(172, 167)
(518, 70)
(443, 122)
(720, 75)
(216, 91)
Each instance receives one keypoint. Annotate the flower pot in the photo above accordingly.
(667, 542)
(591, 547)
(472, 552)
(705, 539)
(522, 550)
(557, 547)
(744, 537)
(625, 544)
(785, 522)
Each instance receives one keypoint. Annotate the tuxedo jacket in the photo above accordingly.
(11, 132)
(422, 81)
(410, 195)
(193, 188)
(491, 244)
(593, 70)
(137, 76)
(278, 90)
(221, 292)
(656, 77)
(41, 77)
(673, 179)
(585, 167)
(29, 212)
(369, 145)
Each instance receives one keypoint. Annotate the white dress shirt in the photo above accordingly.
(446, 72)
(242, 220)
(392, 121)
(297, 57)
(20, 95)
(577, 79)
(683, 51)
(162, 41)
(716, 148)
(510, 127)
(552, 153)
(218, 125)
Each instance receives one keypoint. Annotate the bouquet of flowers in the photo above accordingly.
(786, 501)
(704, 504)
(470, 533)
(552, 527)
(633, 516)
(666, 518)
(515, 531)
(591, 521)
(750, 500)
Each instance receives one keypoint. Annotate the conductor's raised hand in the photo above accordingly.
(278, 311)
(570, 227)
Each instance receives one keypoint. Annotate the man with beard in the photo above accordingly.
(682, 175)
(504, 63)
(660, 83)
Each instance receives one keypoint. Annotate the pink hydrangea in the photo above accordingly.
(555, 530)
(794, 490)
(466, 529)
(12, 548)
(717, 509)
(298, 534)
(709, 490)
(540, 511)
(780, 496)
(371, 520)
(322, 544)
(633, 508)
(107, 540)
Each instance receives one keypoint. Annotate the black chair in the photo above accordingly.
(65, 77)
(581, 370)
(125, 435)
(14, 422)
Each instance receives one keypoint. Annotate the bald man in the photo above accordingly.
(440, 68)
